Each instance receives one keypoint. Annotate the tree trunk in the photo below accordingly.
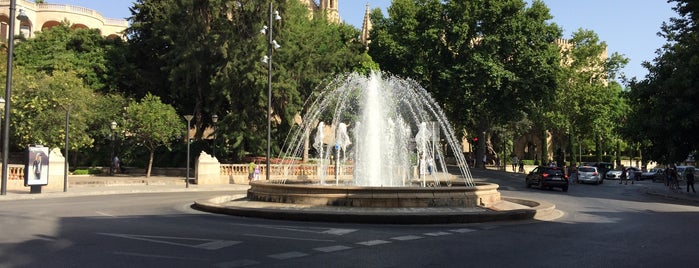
(150, 164)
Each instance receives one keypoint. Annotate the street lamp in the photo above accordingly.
(189, 119)
(65, 165)
(214, 119)
(113, 127)
(8, 92)
(271, 44)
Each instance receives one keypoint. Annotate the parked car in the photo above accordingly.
(587, 174)
(602, 167)
(682, 172)
(616, 174)
(613, 175)
(654, 174)
(547, 177)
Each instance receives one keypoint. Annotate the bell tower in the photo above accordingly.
(330, 8)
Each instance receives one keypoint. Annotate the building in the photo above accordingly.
(327, 6)
(44, 16)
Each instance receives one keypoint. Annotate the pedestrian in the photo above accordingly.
(251, 171)
(622, 178)
(257, 172)
(632, 175)
(514, 163)
(116, 164)
(521, 166)
(690, 180)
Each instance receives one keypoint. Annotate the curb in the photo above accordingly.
(222, 205)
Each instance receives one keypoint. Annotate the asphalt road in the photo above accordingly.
(607, 225)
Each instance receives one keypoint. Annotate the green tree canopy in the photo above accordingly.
(488, 63)
(669, 116)
(152, 124)
(204, 59)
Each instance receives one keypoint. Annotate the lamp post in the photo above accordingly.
(189, 119)
(214, 119)
(113, 127)
(8, 92)
(271, 44)
(65, 165)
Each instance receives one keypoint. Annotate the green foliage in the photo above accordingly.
(488, 63)
(668, 116)
(152, 123)
(204, 58)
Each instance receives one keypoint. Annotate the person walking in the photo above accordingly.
(251, 171)
(514, 163)
(622, 178)
(690, 180)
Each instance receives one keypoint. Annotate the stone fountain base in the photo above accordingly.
(291, 192)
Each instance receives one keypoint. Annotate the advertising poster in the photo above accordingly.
(36, 171)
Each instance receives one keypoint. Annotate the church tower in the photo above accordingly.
(366, 28)
(330, 8)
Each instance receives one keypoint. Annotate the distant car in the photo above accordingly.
(682, 172)
(616, 174)
(547, 178)
(613, 175)
(654, 174)
(587, 174)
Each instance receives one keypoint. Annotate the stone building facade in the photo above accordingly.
(44, 16)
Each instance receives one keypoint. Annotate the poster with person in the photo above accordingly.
(36, 169)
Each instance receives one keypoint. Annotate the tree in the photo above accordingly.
(589, 103)
(488, 63)
(152, 124)
(668, 115)
(40, 102)
(204, 58)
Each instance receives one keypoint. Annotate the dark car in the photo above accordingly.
(548, 177)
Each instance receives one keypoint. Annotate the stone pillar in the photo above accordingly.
(208, 170)
(56, 169)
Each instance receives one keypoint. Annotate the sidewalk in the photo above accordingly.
(79, 185)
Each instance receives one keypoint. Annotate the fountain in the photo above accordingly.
(396, 156)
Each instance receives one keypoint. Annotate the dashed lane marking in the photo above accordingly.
(437, 234)
(462, 230)
(210, 244)
(407, 237)
(332, 248)
(373, 242)
(288, 255)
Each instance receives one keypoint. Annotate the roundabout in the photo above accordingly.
(378, 205)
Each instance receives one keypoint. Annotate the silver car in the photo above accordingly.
(588, 174)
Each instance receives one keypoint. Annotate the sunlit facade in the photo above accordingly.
(44, 16)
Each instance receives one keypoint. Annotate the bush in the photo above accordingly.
(87, 171)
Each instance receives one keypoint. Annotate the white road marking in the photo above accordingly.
(288, 255)
(289, 238)
(315, 230)
(462, 230)
(214, 245)
(105, 214)
(373, 242)
(437, 234)
(211, 244)
(332, 248)
(406, 237)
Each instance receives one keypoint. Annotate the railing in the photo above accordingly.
(291, 170)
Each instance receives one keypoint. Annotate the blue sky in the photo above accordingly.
(628, 27)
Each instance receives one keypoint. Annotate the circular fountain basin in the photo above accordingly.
(299, 192)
